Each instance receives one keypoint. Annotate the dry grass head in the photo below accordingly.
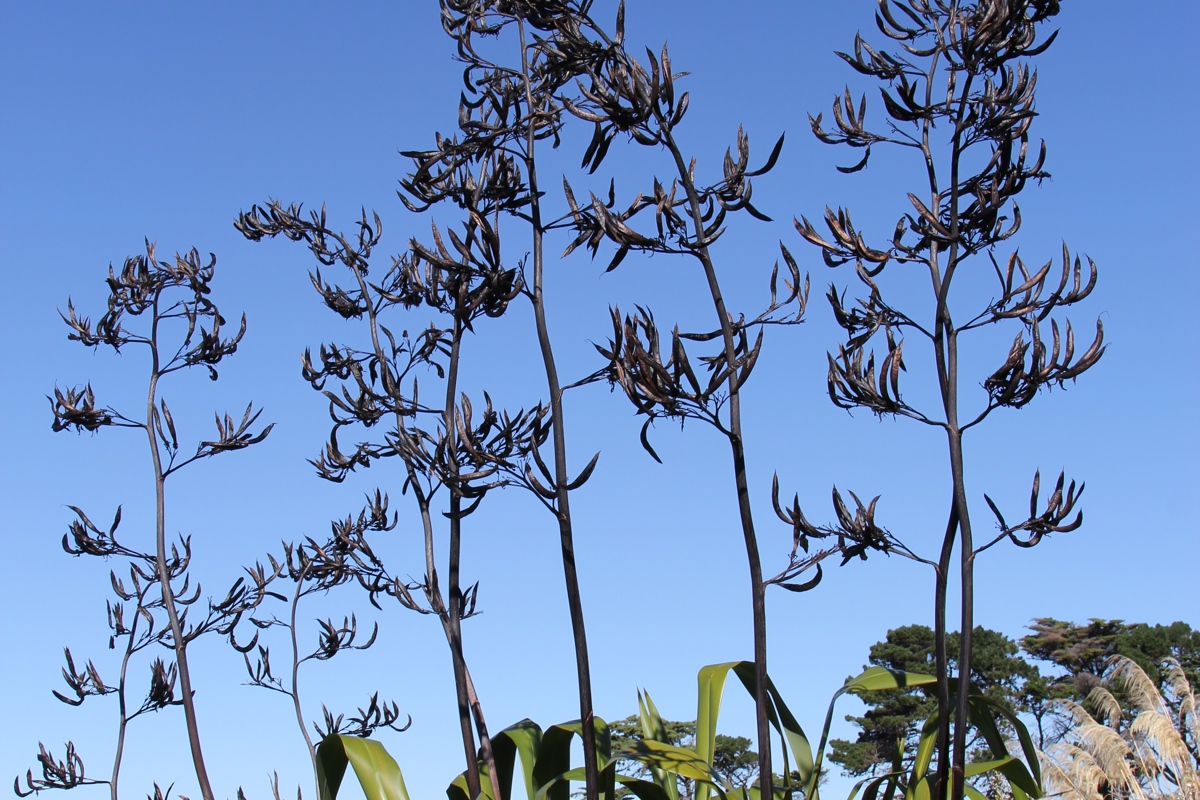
(1132, 682)
(1107, 707)
(1182, 690)
(1070, 772)
(1134, 747)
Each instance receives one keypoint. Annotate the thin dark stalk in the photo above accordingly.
(941, 585)
(977, 54)
(954, 434)
(941, 657)
(139, 289)
(178, 642)
(451, 620)
(312, 751)
(464, 707)
(745, 514)
(561, 479)
(946, 358)
(119, 755)
(485, 741)
(467, 709)
(967, 622)
(451, 613)
(433, 592)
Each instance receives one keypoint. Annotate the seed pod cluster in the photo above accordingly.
(854, 536)
(149, 301)
(958, 92)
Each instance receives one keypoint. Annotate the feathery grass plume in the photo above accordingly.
(1182, 690)
(1073, 773)
(1143, 749)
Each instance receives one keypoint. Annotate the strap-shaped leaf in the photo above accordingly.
(545, 762)
(1022, 782)
(920, 790)
(981, 712)
(711, 680)
(681, 761)
(1024, 778)
(1023, 736)
(653, 728)
(523, 739)
(643, 790)
(784, 721)
(377, 772)
(552, 771)
(457, 790)
(711, 686)
(873, 785)
(609, 780)
(878, 679)
(926, 746)
(875, 679)
(553, 759)
(1011, 768)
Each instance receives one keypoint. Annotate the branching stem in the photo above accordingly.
(561, 479)
(736, 444)
(178, 641)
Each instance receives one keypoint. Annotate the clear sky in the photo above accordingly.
(126, 121)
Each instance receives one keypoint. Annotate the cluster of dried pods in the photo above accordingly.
(963, 66)
(171, 297)
(961, 69)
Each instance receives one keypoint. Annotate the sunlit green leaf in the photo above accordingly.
(377, 772)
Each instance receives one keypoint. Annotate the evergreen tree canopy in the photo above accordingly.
(1085, 652)
(1078, 658)
(893, 719)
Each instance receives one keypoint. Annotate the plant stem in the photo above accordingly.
(941, 657)
(468, 703)
(485, 741)
(434, 594)
(967, 623)
(452, 621)
(312, 751)
(757, 588)
(121, 705)
(178, 642)
(946, 351)
(941, 586)
(449, 613)
(954, 437)
(562, 500)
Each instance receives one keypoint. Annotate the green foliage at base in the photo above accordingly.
(546, 771)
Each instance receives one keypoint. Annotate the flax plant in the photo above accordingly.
(181, 329)
(959, 95)
(318, 568)
(510, 113)
(440, 447)
(620, 95)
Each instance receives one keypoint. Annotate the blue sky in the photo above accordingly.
(163, 121)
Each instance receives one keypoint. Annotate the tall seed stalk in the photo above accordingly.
(506, 112)
(317, 568)
(455, 454)
(621, 95)
(544, 105)
(147, 285)
(961, 64)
